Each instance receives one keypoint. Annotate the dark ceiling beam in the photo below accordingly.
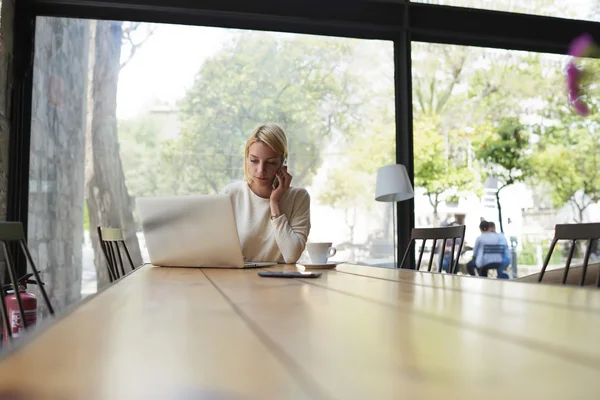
(357, 18)
(457, 25)
(371, 19)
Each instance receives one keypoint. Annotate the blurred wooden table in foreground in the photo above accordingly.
(355, 333)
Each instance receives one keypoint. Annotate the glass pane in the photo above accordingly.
(122, 110)
(490, 121)
(588, 10)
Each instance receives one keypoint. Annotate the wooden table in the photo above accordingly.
(356, 333)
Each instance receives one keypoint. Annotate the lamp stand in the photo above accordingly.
(394, 204)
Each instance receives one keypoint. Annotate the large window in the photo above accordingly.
(132, 109)
(490, 121)
(575, 9)
(122, 109)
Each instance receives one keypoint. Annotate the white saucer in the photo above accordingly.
(330, 264)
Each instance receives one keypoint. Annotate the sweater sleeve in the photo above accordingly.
(292, 231)
(226, 190)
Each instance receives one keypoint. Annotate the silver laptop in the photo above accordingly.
(192, 231)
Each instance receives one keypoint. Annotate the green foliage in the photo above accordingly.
(528, 254)
(346, 189)
(436, 169)
(452, 199)
(572, 172)
(437, 70)
(568, 152)
(352, 184)
(302, 83)
(375, 148)
(504, 150)
(139, 144)
(463, 97)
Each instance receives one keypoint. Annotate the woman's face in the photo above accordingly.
(263, 163)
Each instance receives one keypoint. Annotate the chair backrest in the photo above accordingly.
(493, 249)
(110, 238)
(453, 233)
(11, 231)
(573, 233)
(14, 232)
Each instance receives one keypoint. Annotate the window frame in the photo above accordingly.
(399, 21)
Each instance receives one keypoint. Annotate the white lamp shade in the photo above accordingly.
(393, 184)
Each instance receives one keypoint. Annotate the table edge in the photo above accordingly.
(53, 320)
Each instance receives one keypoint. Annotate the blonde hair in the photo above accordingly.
(270, 134)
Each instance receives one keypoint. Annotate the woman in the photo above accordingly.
(273, 218)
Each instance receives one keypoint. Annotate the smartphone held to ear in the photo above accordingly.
(276, 180)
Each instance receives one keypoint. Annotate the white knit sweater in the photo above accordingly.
(282, 239)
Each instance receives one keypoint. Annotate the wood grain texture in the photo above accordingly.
(537, 324)
(184, 333)
(566, 297)
(363, 349)
(160, 333)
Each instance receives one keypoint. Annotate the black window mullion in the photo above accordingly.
(405, 215)
(21, 84)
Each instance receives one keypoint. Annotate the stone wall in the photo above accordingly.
(6, 40)
(56, 189)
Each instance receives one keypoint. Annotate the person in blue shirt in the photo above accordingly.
(506, 254)
(485, 261)
(472, 265)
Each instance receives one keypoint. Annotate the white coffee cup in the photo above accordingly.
(320, 252)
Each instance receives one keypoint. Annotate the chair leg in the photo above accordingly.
(13, 279)
(103, 246)
(418, 266)
(113, 260)
(118, 251)
(451, 262)
(547, 260)
(37, 277)
(129, 256)
(431, 255)
(571, 251)
(109, 265)
(442, 254)
(460, 247)
(401, 263)
(3, 309)
(5, 320)
(586, 260)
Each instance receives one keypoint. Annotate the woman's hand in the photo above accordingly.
(284, 184)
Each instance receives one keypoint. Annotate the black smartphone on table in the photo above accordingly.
(289, 274)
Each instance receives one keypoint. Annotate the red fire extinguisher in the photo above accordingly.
(29, 302)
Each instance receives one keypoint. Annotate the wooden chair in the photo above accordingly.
(493, 249)
(453, 233)
(574, 232)
(13, 232)
(109, 241)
